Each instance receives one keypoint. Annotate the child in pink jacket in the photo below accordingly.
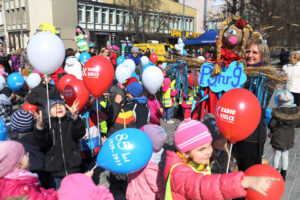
(156, 111)
(188, 174)
(15, 180)
(149, 183)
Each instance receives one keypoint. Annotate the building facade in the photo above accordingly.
(106, 21)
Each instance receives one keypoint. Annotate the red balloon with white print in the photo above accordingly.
(238, 114)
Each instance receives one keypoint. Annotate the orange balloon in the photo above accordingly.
(276, 189)
(153, 58)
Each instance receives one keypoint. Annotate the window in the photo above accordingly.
(81, 13)
(119, 17)
(171, 22)
(179, 24)
(7, 18)
(23, 12)
(12, 19)
(140, 20)
(97, 15)
(187, 25)
(90, 14)
(112, 16)
(1, 21)
(156, 18)
(152, 21)
(105, 15)
(126, 17)
(192, 25)
(175, 27)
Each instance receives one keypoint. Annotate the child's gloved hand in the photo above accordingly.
(260, 184)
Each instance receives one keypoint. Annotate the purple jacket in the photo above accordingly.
(15, 61)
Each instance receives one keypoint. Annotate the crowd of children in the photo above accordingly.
(48, 149)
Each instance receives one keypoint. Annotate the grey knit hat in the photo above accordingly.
(134, 50)
(285, 98)
(22, 121)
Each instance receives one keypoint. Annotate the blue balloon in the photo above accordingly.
(184, 52)
(15, 81)
(120, 60)
(125, 151)
(136, 76)
(84, 56)
(146, 66)
(3, 130)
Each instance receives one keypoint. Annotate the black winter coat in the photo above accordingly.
(141, 112)
(62, 154)
(260, 133)
(38, 96)
(282, 125)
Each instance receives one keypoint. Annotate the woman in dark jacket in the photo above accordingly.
(249, 151)
(61, 141)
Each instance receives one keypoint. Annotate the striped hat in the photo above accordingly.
(157, 135)
(21, 121)
(191, 134)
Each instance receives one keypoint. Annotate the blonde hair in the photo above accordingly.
(296, 54)
(262, 46)
(224, 26)
(103, 50)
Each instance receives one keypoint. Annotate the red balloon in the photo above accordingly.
(238, 114)
(76, 90)
(277, 187)
(64, 81)
(153, 58)
(98, 74)
(30, 107)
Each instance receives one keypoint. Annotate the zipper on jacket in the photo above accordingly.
(62, 147)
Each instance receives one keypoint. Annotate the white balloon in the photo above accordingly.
(177, 47)
(144, 60)
(123, 72)
(152, 79)
(33, 80)
(201, 58)
(130, 63)
(2, 83)
(46, 52)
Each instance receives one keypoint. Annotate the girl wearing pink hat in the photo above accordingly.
(188, 173)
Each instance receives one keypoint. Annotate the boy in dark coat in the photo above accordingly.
(285, 118)
(138, 103)
(61, 141)
(38, 96)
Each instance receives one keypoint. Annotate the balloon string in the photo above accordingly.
(48, 105)
(229, 157)
(94, 167)
(98, 120)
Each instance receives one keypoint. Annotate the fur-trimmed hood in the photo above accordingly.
(287, 114)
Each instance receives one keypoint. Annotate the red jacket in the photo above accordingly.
(22, 183)
(54, 75)
(187, 184)
(113, 58)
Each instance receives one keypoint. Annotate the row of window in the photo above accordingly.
(91, 14)
(14, 16)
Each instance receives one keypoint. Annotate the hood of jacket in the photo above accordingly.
(141, 100)
(4, 100)
(136, 60)
(171, 159)
(287, 114)
(72, 60)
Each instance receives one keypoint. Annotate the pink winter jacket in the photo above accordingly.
(22, 183)
(187, 184)
(155, 114)
(147, 183)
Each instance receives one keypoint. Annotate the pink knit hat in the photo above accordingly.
(11, 154)
(80, 186)
(157, 135)
(191, 134)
